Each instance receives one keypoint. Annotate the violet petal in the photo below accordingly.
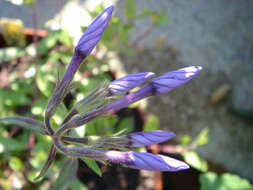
(146, 161)
(125, 84)
(140, 139)
(174, 79)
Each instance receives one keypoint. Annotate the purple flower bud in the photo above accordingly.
(174, 79)
(140, 139)
(86, 44)
(146, 161)
(160, 85)
(125, 84)
(93, 33)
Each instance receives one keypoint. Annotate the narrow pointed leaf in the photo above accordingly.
(26, 123)
(92, 164)
(67, 174)
(50, 159)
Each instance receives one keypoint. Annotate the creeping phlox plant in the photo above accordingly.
(108, 97)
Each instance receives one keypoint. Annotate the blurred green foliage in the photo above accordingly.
(190, 156)
(226, 181)
(209, 180)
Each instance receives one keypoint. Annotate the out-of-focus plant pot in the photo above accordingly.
(29, 33)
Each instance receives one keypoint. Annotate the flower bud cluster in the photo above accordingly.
(116, 148)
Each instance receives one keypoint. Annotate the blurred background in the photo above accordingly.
(156, 36)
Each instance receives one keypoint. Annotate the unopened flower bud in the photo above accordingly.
(127, 83)
(146, 161)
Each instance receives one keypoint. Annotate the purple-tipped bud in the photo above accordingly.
(140, 139)
(125, 84)
(146, 161)
(84, 47)
(174, 79)
(159, 85)
(93, 33)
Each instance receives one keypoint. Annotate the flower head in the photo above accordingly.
(101, 148)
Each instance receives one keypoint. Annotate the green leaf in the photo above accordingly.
(23, 86)
(77, 185)
(98, 9)
(155, 18)
(25, 122)
(16, 164)
(159, 18)
(193, 159)
(151, 124)
(91, 129)
(43, 83)
(92, 164)
(130, 9)
(134, 105)
(65, 57)
(66, 175)
(49, 161)
(163, 18)
(123, 34)
(107, 39)
(185, 140)
(14, 98)
(39, 158)
(102, 126)
(48, 42)
(227, 181)
(202, 138)
(129, 52)
(9, 145)
(29, 2)
(234, 182)
(39, 107)
(209, 181)
(145, 13)
(65, 38)
(126, 125)
(61, 111)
